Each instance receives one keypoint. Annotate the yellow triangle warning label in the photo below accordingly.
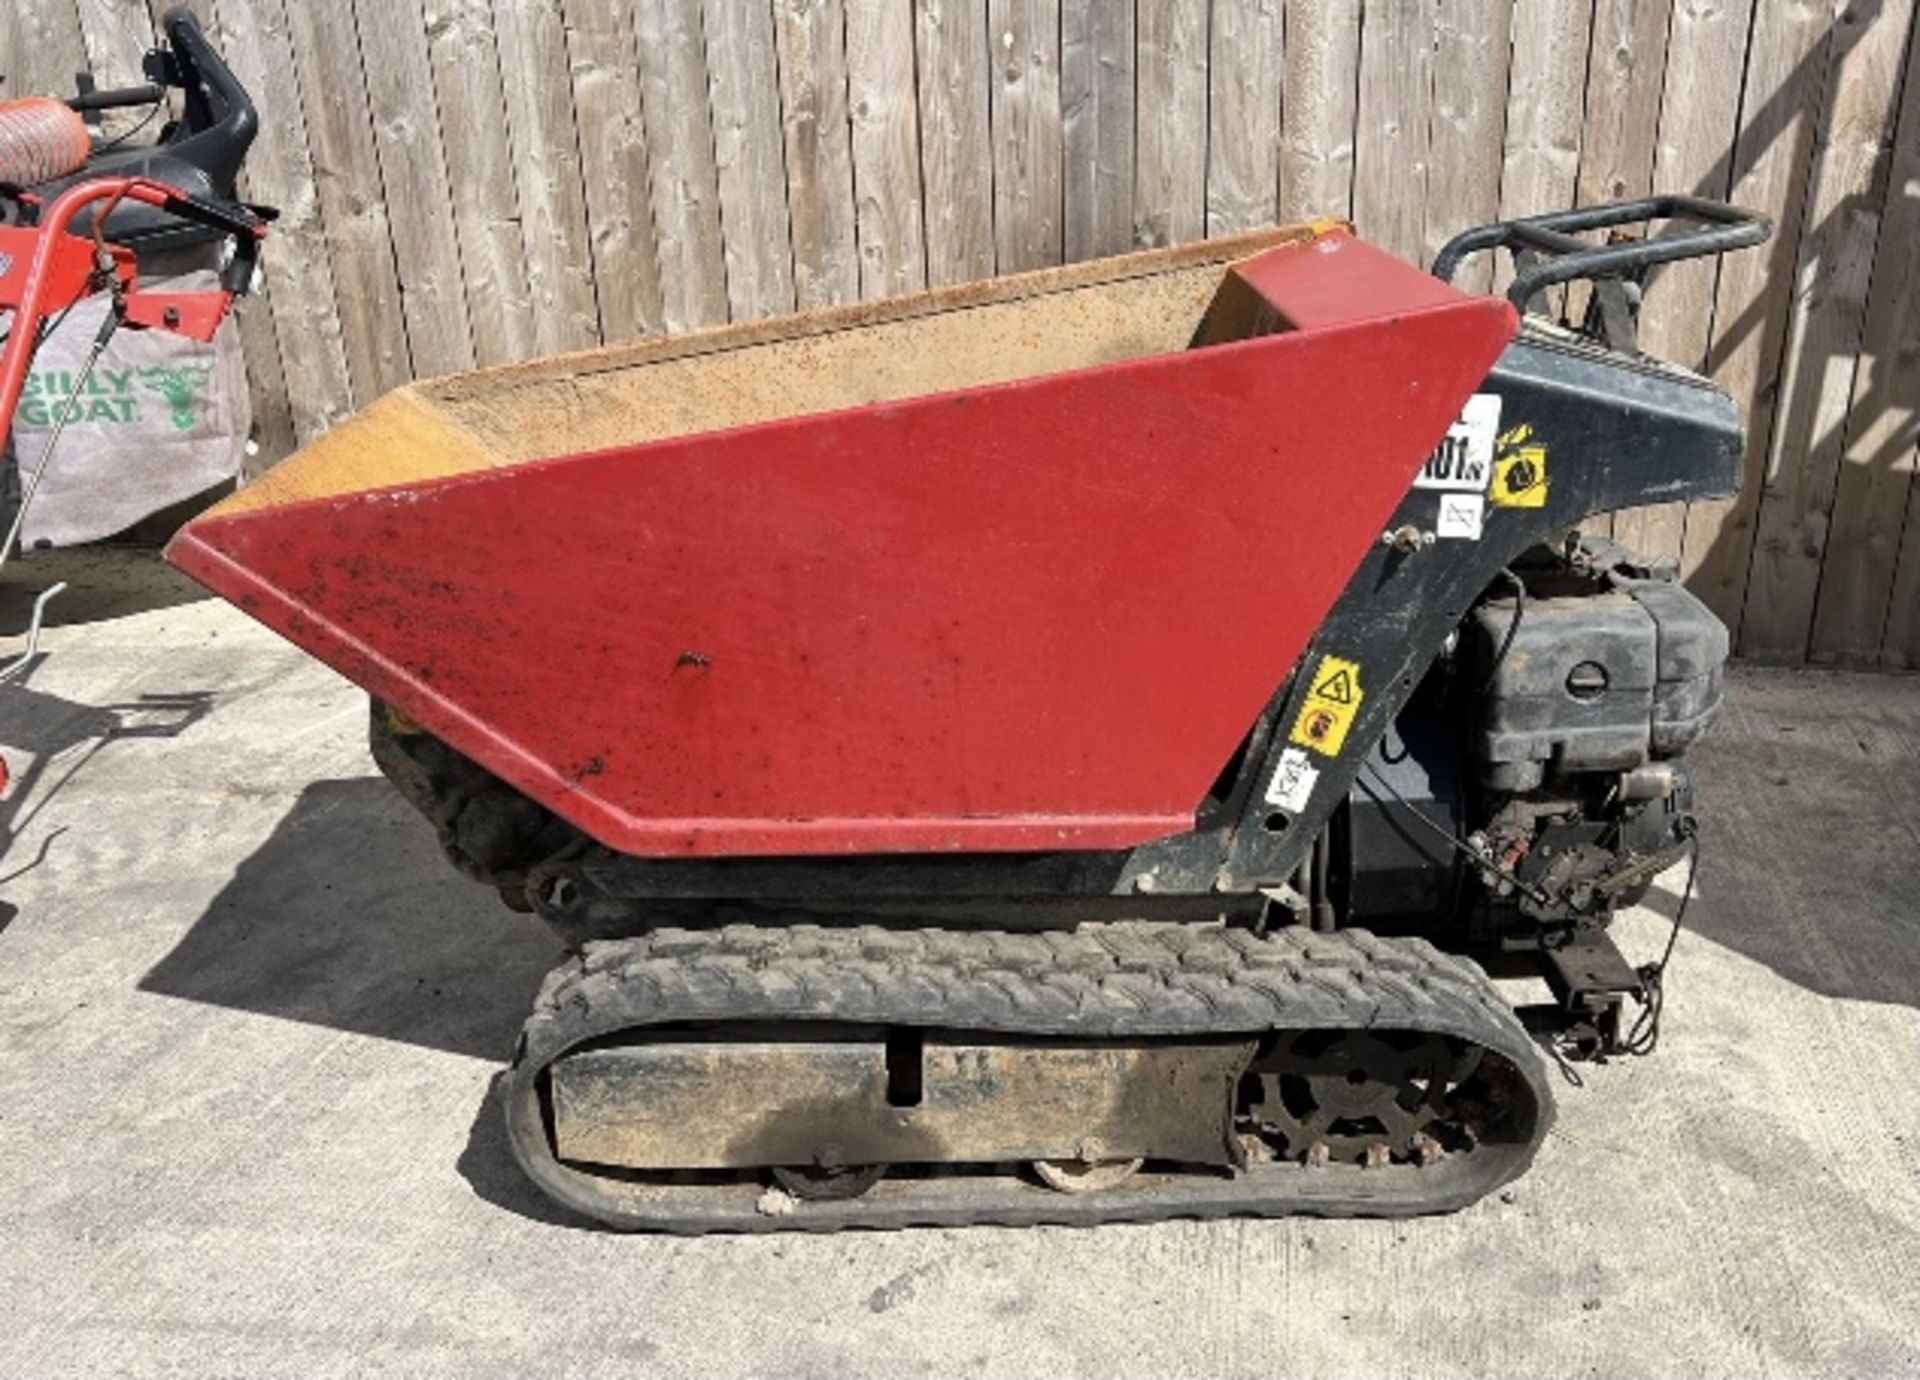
(1337, 688)
(1329, 708)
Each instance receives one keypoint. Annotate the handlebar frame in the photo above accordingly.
(49, 268)
(1547, 250)
(116, 97)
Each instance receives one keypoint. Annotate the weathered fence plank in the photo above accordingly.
(1626, 77)
(685, 185)
(307, 347)
(1396, 106)
(1170, 165)
(1626, 65)
(811, 37)
(467, 84)
(114, 35)
(1243, 115)
(41, 48)
(956, 144)
(610, 120)
(886, 147)
(1027, 151)
(1901, 645)
(743, 80)
(1097, 118)
(274, 433)
(416, 189)
(344, 179)
(546, 167)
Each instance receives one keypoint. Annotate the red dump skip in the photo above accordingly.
(1037, 615)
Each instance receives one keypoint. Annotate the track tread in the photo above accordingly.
(1120, 980)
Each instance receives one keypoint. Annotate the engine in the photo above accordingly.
(1551, 741)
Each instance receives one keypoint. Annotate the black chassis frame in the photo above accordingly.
(1618, 431)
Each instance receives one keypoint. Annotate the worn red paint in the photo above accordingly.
(1031, 616)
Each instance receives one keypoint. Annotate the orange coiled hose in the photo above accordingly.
(40, 139)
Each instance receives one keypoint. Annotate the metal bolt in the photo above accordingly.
(1407, 539)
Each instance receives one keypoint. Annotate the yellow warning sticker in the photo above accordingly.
(1333, 699)
(1519, 470)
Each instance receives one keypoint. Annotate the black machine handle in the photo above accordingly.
(216, 104)
(114, 98)
(199, 155)
(1547, 250)
(220, 119)
(241, 223)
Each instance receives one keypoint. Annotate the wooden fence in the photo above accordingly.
(472, 181)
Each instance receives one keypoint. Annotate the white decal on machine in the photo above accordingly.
(1460, 516)
(1463, 461)
(1293, 781)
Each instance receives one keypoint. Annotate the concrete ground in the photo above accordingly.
(249, 1022)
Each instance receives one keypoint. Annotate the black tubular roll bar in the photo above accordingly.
(1547, 251)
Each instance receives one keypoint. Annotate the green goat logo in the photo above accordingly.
(180, 386)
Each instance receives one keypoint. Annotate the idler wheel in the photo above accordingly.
(814, 1184)
(1083, 1176)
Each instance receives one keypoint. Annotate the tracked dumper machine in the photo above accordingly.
(1063, 749)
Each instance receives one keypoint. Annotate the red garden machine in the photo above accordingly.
(78, 213)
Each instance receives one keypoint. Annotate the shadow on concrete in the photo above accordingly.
(487, 1164)
(1809, 801)
(103, 583)
(62, 737)
(349, 917)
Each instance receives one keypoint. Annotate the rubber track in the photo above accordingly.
(1123, 980)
